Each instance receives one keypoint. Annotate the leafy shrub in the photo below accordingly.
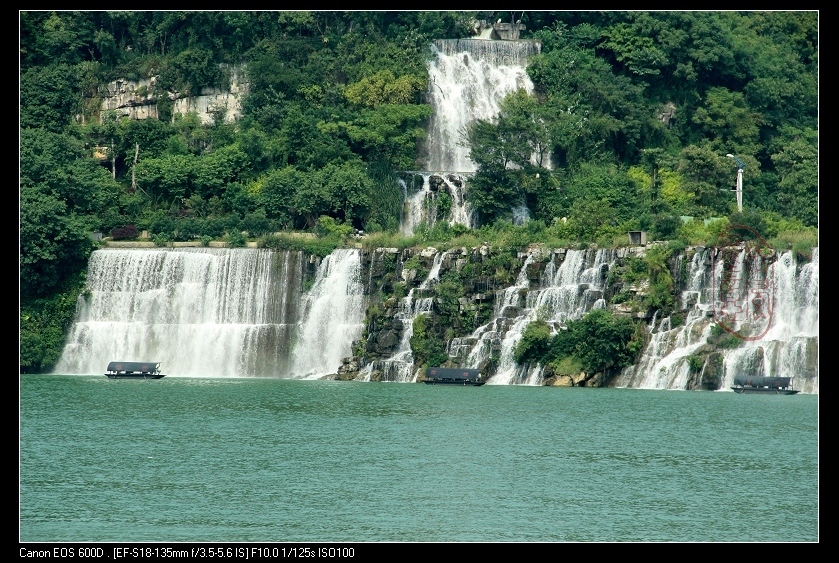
(665, 226)
(803, 250)
(128, 232)
(256, 223)
(801, 242)
(43, 326)
(695, 363)
(747, 224)
(290, 241)
(425, 347)
(568, 365)
(327, 226)
(534, 343)
(621, 297)
(660, 295)
(373, 226)
(236, 240)
(676, 245)
(600, 341)
(721, 338)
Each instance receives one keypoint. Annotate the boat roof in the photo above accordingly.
(143, 367)
(761, 381)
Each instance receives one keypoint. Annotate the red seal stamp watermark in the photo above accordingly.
(742, 283)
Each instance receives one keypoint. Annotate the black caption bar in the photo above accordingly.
(202, 551)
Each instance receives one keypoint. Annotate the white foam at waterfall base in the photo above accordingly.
(201, 312)
(333, 314)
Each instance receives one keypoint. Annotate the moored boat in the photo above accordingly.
(134, 370)
(763, 385)
(453, 376)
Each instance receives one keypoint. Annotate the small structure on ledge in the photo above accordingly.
(638, 237)
(498, 30)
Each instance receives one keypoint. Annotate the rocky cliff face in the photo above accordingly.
(467, 302)
(468, 307)
(139, 99)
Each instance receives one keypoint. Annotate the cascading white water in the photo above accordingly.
(575, 288)
(200, 312)
(399, 367)
(468, 79)
(786, 347)
(521, 214)
(414, 208)
(566, 293)
(420, 206)
(664, 362)
(790, 346)
(332, 316)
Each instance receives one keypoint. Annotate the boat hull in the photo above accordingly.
(453, 376)
(135, 376)
(134, 370)
(764, 391)
(461, 383)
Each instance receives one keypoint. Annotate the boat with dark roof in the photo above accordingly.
(134, 370)
(453, 376)
(763, 385)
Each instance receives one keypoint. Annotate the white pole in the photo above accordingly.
(739, 187)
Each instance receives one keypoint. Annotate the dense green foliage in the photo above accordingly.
(600, 342)
(627, 128)
(428, 349)
(44, 322)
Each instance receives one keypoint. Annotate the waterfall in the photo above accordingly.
(468, 79)
(421, 205)
(521, 214)
(566, 293)
(399, 367)
(413, 212)
(201, 312)
(208, 312)
(790, 346)
(664, 362)
(772, 310)
(332, 317)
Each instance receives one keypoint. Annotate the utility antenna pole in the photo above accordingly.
(739, 188)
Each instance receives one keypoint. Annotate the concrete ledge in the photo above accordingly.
(149, 244)
(127, 244)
